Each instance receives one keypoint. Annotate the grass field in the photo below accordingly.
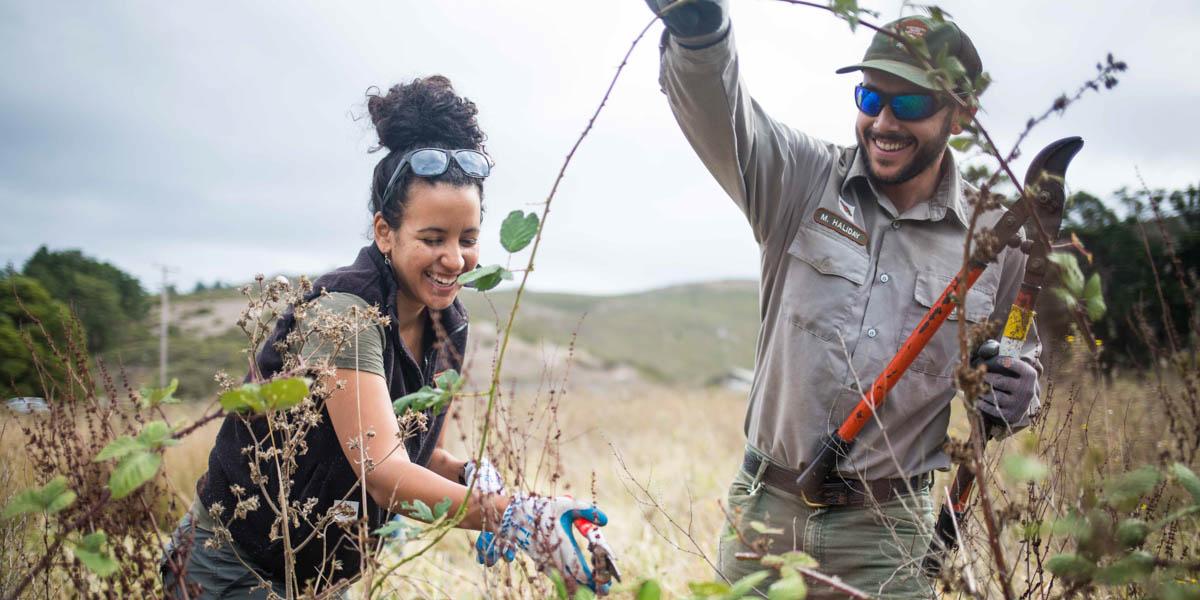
(681, 445)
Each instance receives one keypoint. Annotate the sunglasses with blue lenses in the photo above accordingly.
(431, 162)
(905, 107)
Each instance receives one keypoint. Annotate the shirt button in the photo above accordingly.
(896, 224)
(885, 278)
(872, 333)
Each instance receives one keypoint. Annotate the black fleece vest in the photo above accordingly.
(323, 472)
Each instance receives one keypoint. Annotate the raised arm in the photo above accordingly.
(769, 170)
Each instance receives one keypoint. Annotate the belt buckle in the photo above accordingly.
(835, 494)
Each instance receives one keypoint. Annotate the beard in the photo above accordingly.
(927, 153)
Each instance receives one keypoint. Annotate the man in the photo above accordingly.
(856, 244)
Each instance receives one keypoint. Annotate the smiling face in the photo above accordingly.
(898, 151)
(437, 241)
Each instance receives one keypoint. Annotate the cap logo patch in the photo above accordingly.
(841, 226)
(914, 28)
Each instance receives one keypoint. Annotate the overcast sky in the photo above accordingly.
(223, 138)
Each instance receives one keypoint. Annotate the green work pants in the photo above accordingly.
(877, 549)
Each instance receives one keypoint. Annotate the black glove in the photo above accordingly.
(696, 24)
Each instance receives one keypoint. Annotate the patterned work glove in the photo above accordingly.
(542, 528)
(1006, 407)
(696, 24)
(490, 483)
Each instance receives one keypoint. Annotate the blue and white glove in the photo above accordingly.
(542, 528)
(489, 483)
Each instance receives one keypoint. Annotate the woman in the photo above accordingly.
(426, 202)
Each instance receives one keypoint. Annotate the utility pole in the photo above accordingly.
(164, 322)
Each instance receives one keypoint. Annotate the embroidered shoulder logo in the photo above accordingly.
(843, 227)
(846, 208)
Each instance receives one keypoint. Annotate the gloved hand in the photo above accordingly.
(542, 528)
(1006, 406)
(490, 482)
(696, 24)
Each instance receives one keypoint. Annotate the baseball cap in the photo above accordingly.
(887, 54)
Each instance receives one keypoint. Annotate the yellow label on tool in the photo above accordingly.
(1019, 320)
(1016, 330)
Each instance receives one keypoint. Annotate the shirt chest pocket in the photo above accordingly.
(941, 355)
(824, 279)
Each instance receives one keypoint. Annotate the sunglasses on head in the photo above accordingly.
(905, 107)
(431, 162)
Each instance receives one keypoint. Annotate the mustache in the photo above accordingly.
(888, 137)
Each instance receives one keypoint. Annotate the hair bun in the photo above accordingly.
(424, 112)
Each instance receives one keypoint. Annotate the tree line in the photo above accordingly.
(1148, 293)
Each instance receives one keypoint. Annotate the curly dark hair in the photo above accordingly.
(423, 113)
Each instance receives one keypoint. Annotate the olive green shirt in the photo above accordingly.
(361, 352)
(844, 276)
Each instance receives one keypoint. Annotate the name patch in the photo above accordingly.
(843, 227)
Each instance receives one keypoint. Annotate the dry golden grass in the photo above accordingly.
(681, 444)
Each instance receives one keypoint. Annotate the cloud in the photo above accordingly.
(222, 140)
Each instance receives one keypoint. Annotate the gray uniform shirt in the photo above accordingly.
(845, 277)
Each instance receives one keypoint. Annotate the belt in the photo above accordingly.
(837, 490)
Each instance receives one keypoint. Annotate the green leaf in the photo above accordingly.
(705, 589)
(649, 590)
(1188, 480)
(59, 501)
(1131, 533)
(92, 553)
(1068, 272)
(1124, 491)
(1073, 525)
(797, 559)
(788, 588)
(284, 393)
(1071, 567)
(517, 230)
(418, 510)
(1018, 467)
(439, 509)
(242, 399)
(1092, 288)
(392, 527)
(155, 434)
(1093, 298)
(584, 593)
(49, 498)
(133, 471)
(560, 586)
(1065, 298)
(746, 585)
(762, 528)
(1130, 569)
(152, 397)
(119, 448)
(485, 278)
(417, 401)
(1095, 308)
(962, 143)
(449, 380)
(26, 501)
